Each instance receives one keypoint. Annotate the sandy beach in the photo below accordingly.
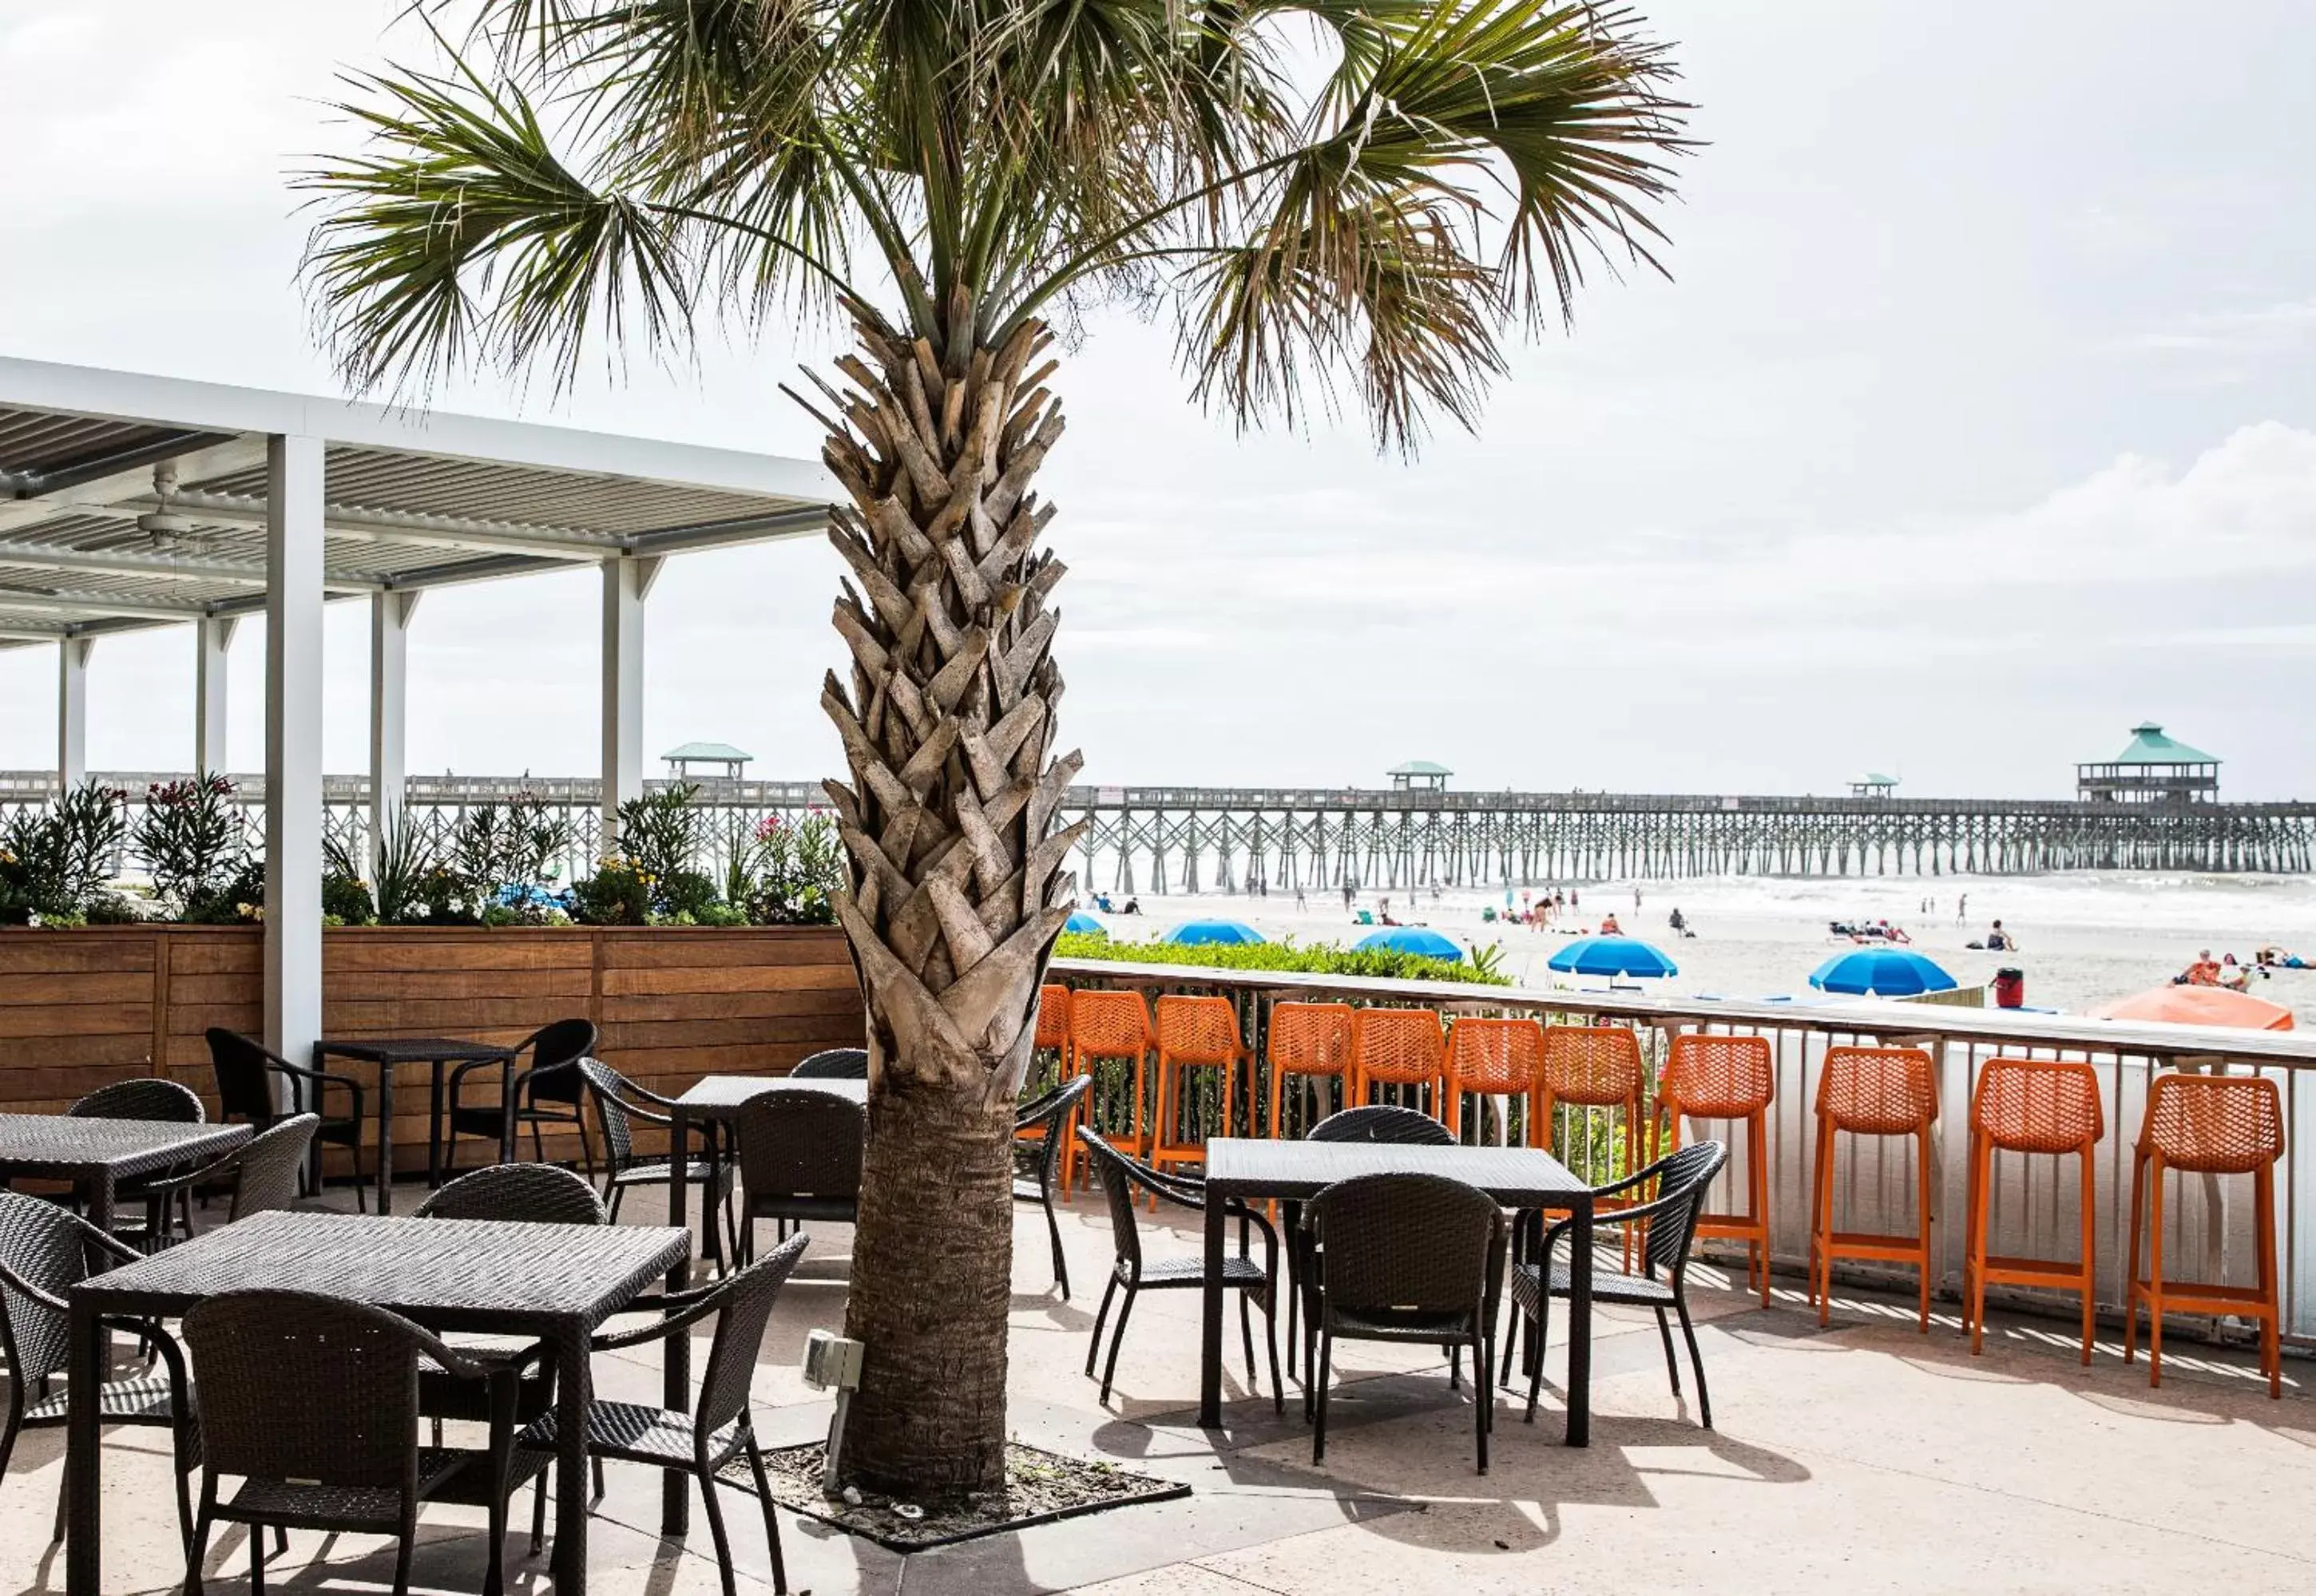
(2084, 937)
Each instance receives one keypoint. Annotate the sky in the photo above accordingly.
(1976, 422)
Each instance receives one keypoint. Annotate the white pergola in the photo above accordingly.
(129, 502)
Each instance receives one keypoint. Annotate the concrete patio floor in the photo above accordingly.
(1863, 1457)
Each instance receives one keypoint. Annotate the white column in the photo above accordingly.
(71, 710)
(389, 670)
(293, 746)
(627, 581)
(213, 636)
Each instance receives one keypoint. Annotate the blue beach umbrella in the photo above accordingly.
(1881, 972)
(1411, 939)
(1611, 956)
(1207, 933)
(1086, 925)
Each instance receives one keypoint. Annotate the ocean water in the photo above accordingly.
(2085, 937)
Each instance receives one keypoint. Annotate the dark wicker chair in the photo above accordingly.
(145, 1098)
(620, 1103)
(850, 1064)
(261, 1175)
(245, 1068)
(1407, 1258)
(44, 1252)
(1121, 1177)
(1038, 1127)
(527, 1193)
(532, 1194)
(698, 1443)
(1681, 1180)
(549, 1091)
(312, 1401)
(1374, 1122)
(799, 1152)
(1382, 1122)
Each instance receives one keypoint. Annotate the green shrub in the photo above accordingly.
(796, 871)
(55, 860)
(238, 898)
(1322, 958)
(346, 900)
(618, 894)
(195, 842)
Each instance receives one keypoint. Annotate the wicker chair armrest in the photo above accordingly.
(120, 1251)
(457, 1364)
(18, 1284)
(690, 1306)
(299, 1075)
(160, 1190)
(631, 1091)
(1615, 1215)
(459, 1074)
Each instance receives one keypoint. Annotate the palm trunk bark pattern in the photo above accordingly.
(958, 891)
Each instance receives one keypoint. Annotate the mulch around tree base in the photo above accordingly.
(1040, 1486)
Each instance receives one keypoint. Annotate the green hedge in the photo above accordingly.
(1323, 958)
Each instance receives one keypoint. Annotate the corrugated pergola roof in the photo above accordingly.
(129, 501)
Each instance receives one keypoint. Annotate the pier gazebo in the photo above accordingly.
(2152, 769)
(1873, 785)
(716, 761)
(1419, 775)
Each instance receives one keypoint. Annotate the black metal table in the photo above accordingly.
(439, 1051)
(1294, 1171)
(552, 1283)
(97, 1155)
(711, 1103)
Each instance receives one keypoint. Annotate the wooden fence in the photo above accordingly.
(82, 1007)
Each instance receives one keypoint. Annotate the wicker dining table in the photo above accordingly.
(1292, 1172)
(96, 1156)
(388, 1053)
(556, 1283)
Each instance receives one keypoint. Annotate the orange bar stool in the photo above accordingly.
(1593, 1067)
(1309, 1041)
(1193, 1033)
(1053, 1035)
(2030, 1106)
(2206, 1124)
(1106, 1026)
(1871, 1092)
(1733, 1079)
(1399, 1047)
(1489, 1058)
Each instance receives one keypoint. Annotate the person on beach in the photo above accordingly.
(1636, 900)
(2204, 972)
(1999, 941)
(1298, 898)
(1961, 908)
(1350, 894)
(1608, 926)
(2233, 975)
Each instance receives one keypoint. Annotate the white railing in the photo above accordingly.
(2037, 1212)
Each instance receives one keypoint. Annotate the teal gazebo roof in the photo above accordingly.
(705, 751)
(2149, 746)
(1419, 767)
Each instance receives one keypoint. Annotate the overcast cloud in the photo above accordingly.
(1976, 425)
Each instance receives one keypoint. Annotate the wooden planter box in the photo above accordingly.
(82, 1007)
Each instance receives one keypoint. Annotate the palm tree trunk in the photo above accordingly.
(957, 892)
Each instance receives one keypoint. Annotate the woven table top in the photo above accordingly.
(719, 1096)
(410, 1050)
(63, 1147)
(446, 1273)
(1517, 1177)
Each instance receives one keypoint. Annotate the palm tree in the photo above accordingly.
(1316, 190)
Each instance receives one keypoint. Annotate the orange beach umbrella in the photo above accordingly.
(2200, 1006)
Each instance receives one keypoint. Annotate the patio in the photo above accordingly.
(1874, 1458)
